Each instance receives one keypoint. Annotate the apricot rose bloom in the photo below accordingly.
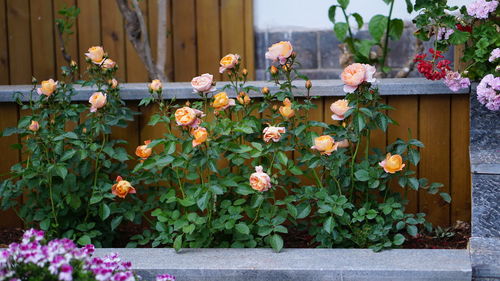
(221, 101)
(122, 187)
(243, 98)
(108, 64)
(273, 133)
(259, 180)
(95, 54)
(47, 87)
(200, 136)
(113, 83)
(286, 110)
(97, 100)
(144, 151)
(392, 163)
(339, 108)
(187, 116)
(155, 85)
(34, 126)
(355, 74)
(280, 51)
(325, 144)
(229, 61)
(203, 84)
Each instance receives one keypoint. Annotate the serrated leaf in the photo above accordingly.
(68, 155)
(216, 189)
(446, 197)
(104, 211)
(116, 222)
(45, 224)
(331, 13)
(377, 26)
(304, 212)
(203, 201)
(282, 158)
(340, 30)
(459, 37)
(398, 240)
(413, 183)
(412, 230)
(178, 243)
(242, 228)
(362, 175)
(84, 240)
(397, 27)
(327, 225)
(343, 3)
(359, 19)
(276, 242)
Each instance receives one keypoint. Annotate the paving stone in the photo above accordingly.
(305, 44)
(329, 50)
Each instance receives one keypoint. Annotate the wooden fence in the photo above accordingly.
(199, 33)
(441, 122)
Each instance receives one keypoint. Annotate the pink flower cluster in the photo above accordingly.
(481, 8)
(495, 54)
(455, 81)
(62, 259)
(488, 92)
(444, 33)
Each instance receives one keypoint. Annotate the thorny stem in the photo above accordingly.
(353, 160)
(318, 181)
(351, 45)
(386, 43)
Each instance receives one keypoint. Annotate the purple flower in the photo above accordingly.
(165, 277)
(481, 8)
(487, 92)
(444, 33)
(455, 81)
(495, 54)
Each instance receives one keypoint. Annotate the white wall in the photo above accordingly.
(313, 14)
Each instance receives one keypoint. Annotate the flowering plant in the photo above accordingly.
(69, 160)
(476, 26)
(35, 259)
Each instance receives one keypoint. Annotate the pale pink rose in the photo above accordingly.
(339, 108)
(259, 180)
(229, 61)
(203, 84)
(47, 87)
(108, 64)
(273, 133)
(97, 100)
(155, 85)
(95, 54)
(280, 51)
(355, 74)
(343, 144)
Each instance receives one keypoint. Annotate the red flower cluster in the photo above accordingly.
(466, 28)
(432, 69)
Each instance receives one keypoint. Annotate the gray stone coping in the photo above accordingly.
(485, 257)
(298, 264)
(183, 90)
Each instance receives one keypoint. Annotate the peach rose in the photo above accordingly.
(392, 163)
(187, 116)
(339, 108)
(355, 74)
(325, 144)
(343, 143)
(273, 133)
(108, 64)
(200, 136)
(221, 101)
(34, 126)
(228, 62)
(243, 98)
(113, 83)
(155, 85)
(203, 84)
(95, 54)
(144, 151)
(97, 100)
(286, 110)
(280, 51)
(122, 187)
(259, 180)
(47, 87)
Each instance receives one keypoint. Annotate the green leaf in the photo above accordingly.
(459, 37)
(343, 3)
(363, 47)
(358, 19)
(68, 155)
(116, 222)
(362, 175)
(104, 211)
(399, 239)
(412, 230)
(95, 199)
(400, 225)
(61, 171)
(413, 183)
(446, 197)
(292, 210)
(409, 6)
(276, 242)
(414, 156)
(242, 228)
(282, 158)
(331, 13)
(203, 201)
(296, 171)
(397, 26)
(377, 26)
(216, 189)
(327, 225)
(178, 243)
(304, 212)
(84, 240)
(45, 224)
(360, 122)
(340, 30)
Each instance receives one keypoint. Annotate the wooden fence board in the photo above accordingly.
(42, 39)
(136, 71)
(89, 29)
(233, 28)
(249, 61)
(185, 59)
(71, 42)
(113, 36)
(18, 22)
(4, 50)
(208, 37)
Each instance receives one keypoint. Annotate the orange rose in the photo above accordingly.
(155, 85)
(325, 144)
(186, 116)
(221, 101)
(34, 126)
(113, 83)
(97, 100)
(144, 151)
(228, 62)
(286, 110)
(95, 54)
(47, 87)
(280, 51)
(355, 74)
(392, 163)
(339, 108)
(243, 98)
(200, 136)
(273, 133)
(122, 187)
(259, 180)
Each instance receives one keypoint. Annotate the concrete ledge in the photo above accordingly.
(183, 90)
(485, 257)
(299, 264)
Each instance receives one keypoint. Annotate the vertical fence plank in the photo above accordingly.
(136, 71)
(129, 133)
(42, 39)
(4, 50)
(249, 61)
(71, 42)
(183, 19)
(113, 35)
(18, 22)
(378, 138)
(89, 28)
(232, 18)
(406, 114)
(208, 37)
(460, 182)
(434, 130)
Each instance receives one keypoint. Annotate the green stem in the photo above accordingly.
(318, 181)
(96, 173)
(386, 43)
(353, 160)
(367, 148)
(350, 42)
(180, 183)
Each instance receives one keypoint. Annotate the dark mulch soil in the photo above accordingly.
(455, 237)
